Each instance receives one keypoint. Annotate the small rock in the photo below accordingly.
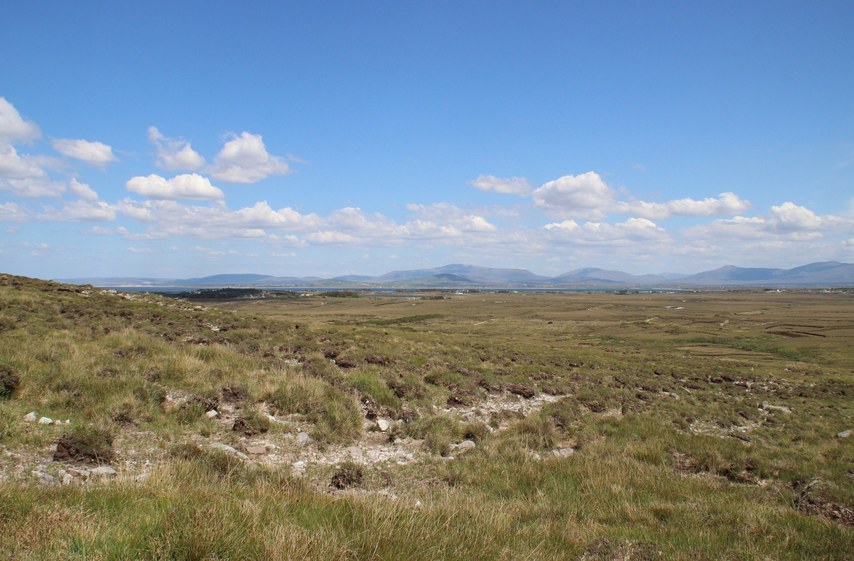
(45, 478)
(212, 414)
(31, 417)
(383, 424)
(355, 452)
(844, 434)
(79, 472)
(769, 407)
(257, 449)
(298, 467)
(229, 450)
(303, 438)
(520, 390)
(563, 452)
(466, 445)
(103, 472)
(45, 421)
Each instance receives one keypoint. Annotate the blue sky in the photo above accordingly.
(326, 138)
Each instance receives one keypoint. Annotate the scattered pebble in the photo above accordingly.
(103, 472)
(212, 414)
(31, 417)
(563, 452)
(844, 434)
(229, 450)
(383, 424)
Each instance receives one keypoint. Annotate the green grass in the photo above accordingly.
(698, 435)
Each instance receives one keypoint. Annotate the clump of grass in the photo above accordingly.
(85, 444)
(437, 431)
(9, 381)
(335, 414)
(349, 474)
(376, 390)
(251, 422)
(214, 462)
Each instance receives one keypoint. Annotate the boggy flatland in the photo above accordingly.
(433, 425)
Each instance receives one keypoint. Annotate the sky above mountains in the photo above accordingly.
(359, 137)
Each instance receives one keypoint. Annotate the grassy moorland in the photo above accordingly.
(438, 426)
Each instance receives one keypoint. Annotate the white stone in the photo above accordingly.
(103, 471)
(31, 417)
(212, 414)
(45, 421)
(303, 438)
(844, 434)
(383, 424)
(563, 452)
(781, 408)
(466, 445)
(257, 449)
(229, 450)
(46, 478)
(355, 452)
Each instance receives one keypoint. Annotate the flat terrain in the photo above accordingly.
(432, 425)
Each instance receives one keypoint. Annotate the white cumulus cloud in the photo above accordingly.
(244, 159)
(82, 190)
(13, 212)
(789, 216)
(174, 154)
(13, 127)
(184, 186)
(633, 229)
(504, 185)
(80, 211)
(724, 204)
(13, 165)
(91, 152)
(585, 194)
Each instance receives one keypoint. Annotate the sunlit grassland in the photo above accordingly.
(697, 421)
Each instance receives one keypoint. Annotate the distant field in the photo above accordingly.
(590, 426)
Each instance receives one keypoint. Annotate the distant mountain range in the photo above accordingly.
(828, 273)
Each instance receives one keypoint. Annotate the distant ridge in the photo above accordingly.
(827, 273)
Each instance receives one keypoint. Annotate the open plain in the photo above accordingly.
(426, 425)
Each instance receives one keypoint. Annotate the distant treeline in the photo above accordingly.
(231, 294)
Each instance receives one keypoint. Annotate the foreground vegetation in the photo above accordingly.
(437, 426)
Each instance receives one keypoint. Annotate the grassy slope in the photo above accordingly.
(674, 459)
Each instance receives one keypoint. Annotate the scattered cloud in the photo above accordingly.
(13, 166)
(92, 152)
(80, 211)
(13, 127)
(587, 195)
(82, 190)
(244, 159)
(13, 212)
(631, 229)
(34, 187)
(724, 204)
(790, 217)
(584, 195)
(504, 185)
(787, 221)
(186, 186)
(174, 154)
